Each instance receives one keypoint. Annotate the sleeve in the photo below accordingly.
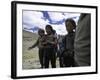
(36, 43)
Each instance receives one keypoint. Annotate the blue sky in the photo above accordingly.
(33, 20)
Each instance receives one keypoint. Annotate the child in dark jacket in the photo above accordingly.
(68, 43)
(40, 43)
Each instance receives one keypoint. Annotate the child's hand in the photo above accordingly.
(48, 41)
(44, 43)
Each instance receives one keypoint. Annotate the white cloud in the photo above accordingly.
(56, 16)
(33, 19)
(60, 29)
(70, 15)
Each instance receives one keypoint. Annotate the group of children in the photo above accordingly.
(47, 44)
(47, 47)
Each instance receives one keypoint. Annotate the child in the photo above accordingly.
(68, 41)
(50, 52)
(40, 44)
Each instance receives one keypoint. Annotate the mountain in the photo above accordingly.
(33, 30)
(29, 36)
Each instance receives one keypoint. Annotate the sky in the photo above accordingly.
(34, 20)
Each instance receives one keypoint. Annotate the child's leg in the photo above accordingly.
(53, 58)
(41, 55)
(46, 58)
(66, 60)
(61, 61)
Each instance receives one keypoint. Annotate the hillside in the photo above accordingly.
(28, 35)
(30, 57)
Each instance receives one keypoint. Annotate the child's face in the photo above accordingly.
(48, 30)
(69, 26)
(41, 33)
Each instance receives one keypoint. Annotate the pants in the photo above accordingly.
(60, 58)
(61, 61)
(50, 55)
(68, 59)
(41, 57)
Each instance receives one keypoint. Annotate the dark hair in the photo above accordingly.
(40, 31)
(72, 22)
(50, 27)
(53, 31)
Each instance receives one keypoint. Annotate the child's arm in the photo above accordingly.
(54, 42)
(63, 49)
(33, 46)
